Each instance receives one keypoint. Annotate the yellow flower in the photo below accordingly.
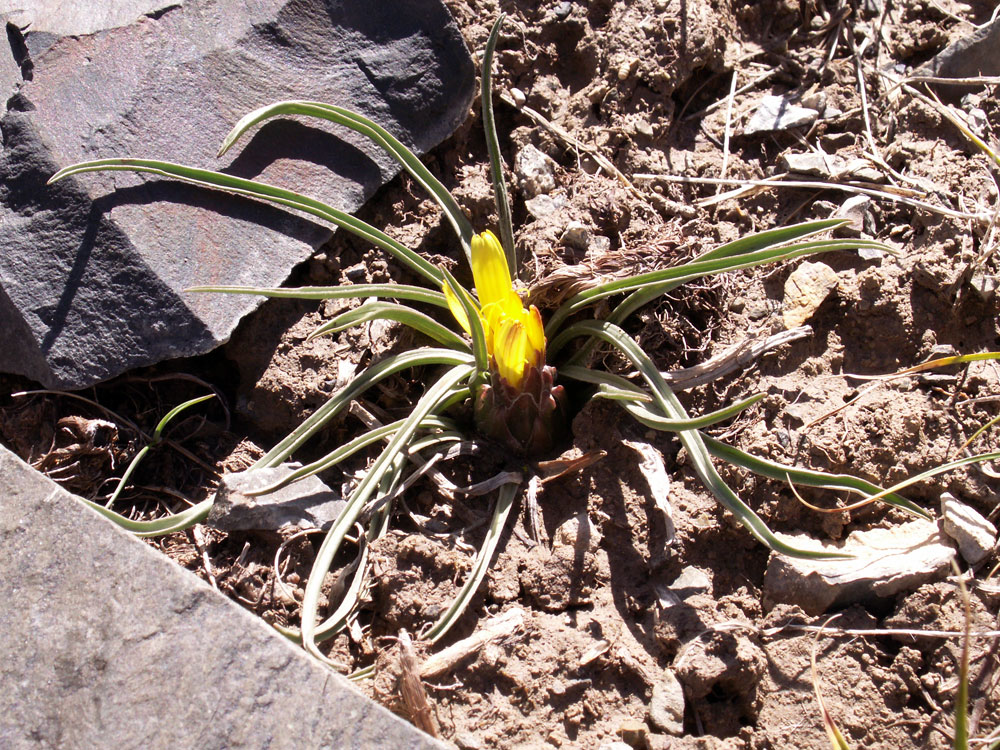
(515, 336)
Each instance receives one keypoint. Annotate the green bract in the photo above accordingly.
(464, 366)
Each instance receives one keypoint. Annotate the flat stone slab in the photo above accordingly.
(884, 562)
(93, 268)
(105, 643)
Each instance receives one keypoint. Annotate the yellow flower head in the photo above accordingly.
(515, 337)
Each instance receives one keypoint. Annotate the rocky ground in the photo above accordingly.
(659, 632)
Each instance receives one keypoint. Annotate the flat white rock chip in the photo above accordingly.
(884, 562)
(778, 113)
(973, 533)
(805, 290)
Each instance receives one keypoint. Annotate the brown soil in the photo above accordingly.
(630, 81)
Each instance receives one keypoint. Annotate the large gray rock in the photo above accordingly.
(105, 643)
(972, 55)
(93, 268)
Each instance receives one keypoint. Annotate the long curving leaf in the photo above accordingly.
(348, 449)
(736, 457)
(493, 147)
(406, 158)
(159, 526)
(807, 477)
(390, 485)
(692, 440)
(349, 291)
(505, 501)
(377, 527)
(154, 439)
(647, 416)
(771, 238)
(379, 371)
(262, 191)
(438, 392)
(648, 286)
(416, 320)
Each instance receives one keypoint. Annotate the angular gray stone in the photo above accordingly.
(94, 267)
(972, 55)
(806, 288)
(975, 535)
(536, 172)
(307, 504)
(107, 644)
(884, 562)
(666, 707)
(778, 113)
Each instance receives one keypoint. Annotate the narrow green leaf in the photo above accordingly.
(159, 526)
(612, 388)
(174, 412)
(806, 477)
(348, 291)
(348, 449)
(389, 485)
(261, 191)
(360, 124)
(505, 501)
(648, 286)
(961, 741)
(771, 238)
(377, 372)
(493, 147)
(736, 457)
(154, 439)
(427, 404)
(692, 440)
(399, 313)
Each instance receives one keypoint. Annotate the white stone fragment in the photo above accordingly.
(778, 113)
(975, 535)
(883, 563)
(536, 172)
(666, 707)
(805, 290)
(654, 471)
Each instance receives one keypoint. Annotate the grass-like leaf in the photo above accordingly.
(493, 147)
(808, 478)
(505, 501)
(416, 320)
(159, 526)
(428, 403)
(348, 449)
(379, 371)
(692, 440)
(406, 158)
(350, 291)
(648, 286)
(262, 191)
(154, 440)
(646, 416)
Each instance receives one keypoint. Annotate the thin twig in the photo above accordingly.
(732, 359)
(729, 129)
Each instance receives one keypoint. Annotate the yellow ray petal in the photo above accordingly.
(456, 308)
(489, 268)
(511, 350)
(536, 336)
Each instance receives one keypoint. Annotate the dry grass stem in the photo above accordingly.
(494, 629)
